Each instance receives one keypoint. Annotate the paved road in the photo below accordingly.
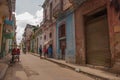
(34, 68)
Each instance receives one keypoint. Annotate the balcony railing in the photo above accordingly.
(46, 20)
(77, 2)
(57, 10)
(41, 23)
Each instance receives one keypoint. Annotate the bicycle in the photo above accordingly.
(14, 59)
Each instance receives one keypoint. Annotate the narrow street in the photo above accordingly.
(34, 68)
(80, 38)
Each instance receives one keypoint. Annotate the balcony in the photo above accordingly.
(76, 3)
(46, 21)
(41, 23)
(13, 5)
(58, 10)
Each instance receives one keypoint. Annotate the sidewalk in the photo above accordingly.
(87, 70)
(4, 66)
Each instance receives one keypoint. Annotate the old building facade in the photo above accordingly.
(86, 31)
(58, 28)
(65, 32)
(97, 26)
(7, 25)
(49, 25)
(27, 36)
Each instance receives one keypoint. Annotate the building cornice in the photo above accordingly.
(45, 3)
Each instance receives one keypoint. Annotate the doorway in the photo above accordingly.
(62, 40)
(97, 39)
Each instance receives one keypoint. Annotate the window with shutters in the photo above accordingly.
(62, 31)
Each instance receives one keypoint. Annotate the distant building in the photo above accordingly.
(27, 33)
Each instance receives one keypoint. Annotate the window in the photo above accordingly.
(45, 37)
(50, 35)
(51, 11)
(62, 31)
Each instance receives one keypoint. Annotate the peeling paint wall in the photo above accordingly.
(70, 38)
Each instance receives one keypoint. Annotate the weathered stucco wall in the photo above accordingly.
(113, 24)
(86, 8)
(70, 38)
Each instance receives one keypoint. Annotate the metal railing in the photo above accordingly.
(57, 10)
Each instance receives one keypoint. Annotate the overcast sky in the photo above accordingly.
(27, 12)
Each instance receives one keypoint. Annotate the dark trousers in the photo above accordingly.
(40, 53)
(13, 58)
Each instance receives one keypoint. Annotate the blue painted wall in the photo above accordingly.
(70, 38)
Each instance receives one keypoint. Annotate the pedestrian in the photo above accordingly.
(24, 50)
(18, 54)
(45, 52)
(50, 51)
(40, 51)
(14, 51)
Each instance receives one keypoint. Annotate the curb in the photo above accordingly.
(3, 72)
(74, 69)
(67, 66)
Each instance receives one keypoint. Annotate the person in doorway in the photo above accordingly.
(50, 51)
(40, 51)
(18, 54)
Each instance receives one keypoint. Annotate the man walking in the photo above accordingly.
(40, 51)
